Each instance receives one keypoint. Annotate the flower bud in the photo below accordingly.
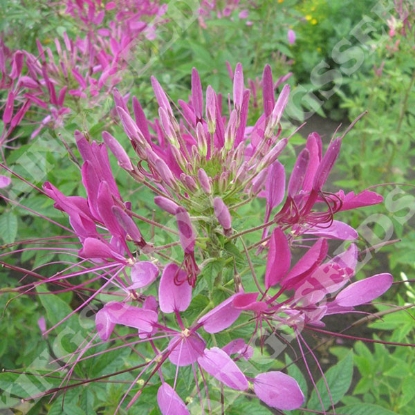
(222, 214)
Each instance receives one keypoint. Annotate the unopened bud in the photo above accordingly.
(204, 181)
(222, 214)
(166, 204)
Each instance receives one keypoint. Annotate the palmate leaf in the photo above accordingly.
(338, 378)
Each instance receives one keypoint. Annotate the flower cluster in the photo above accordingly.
(209, 7)
(202, 169)
(83, 69)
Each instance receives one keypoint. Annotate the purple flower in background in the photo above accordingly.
(291, 36)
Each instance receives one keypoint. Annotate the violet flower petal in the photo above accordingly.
(278, 390)
(103, 324)
(221, 317)
(219, 365)
(363, 291)
(130, 316)
(279, 258)
(175, 293)
(170, 402)
(186, 350)
(337, 230)
(142, 274)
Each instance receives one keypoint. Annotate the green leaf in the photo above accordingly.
(244, 406)
(297, 374)
(56, 308)
(338, 378)
(8, 227)
(364, 409)
(25, 385)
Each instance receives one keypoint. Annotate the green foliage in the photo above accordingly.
(331, 388)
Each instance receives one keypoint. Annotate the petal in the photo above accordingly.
(275, 184)
(142, 274)
(130, 316)
(103, 324)
(175, 293)
(363, 291)
(4, 181)
(218, 364)
(365, 198)
(95, 249)
(279, 258)
(326, 164)
(328, 278)
(249, 301)
(221, 317)
(337, 230)
(314, 146)
(186, 350)
(170, 402)
(306, 265)
(298, 173)
(278, 390)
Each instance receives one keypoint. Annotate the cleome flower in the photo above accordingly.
(187, 346)
(202, 167)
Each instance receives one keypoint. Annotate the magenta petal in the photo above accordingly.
(4, 181)
(363, 291)
(298, 173)
(275, 184)
(278, 390)
(337, 230)
(249, 301)
(96, 249)
(365, 198)
(186, 350)
(314, 146)
(306, 265)
(103, 324)
(170, 402)
(219, 365)
(130, 316)
(326, 164)
(175, 293)
(279, 258)
(143, 274)
(221, 317)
